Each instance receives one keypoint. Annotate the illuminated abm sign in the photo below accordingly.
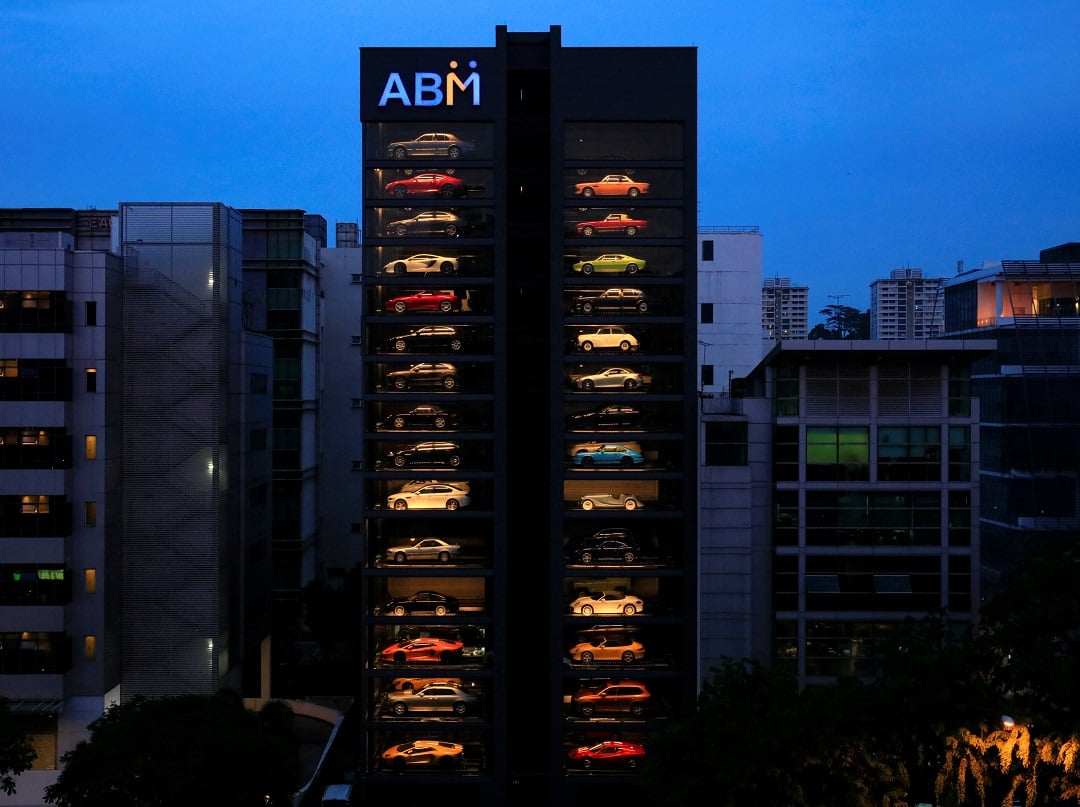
(433, 89)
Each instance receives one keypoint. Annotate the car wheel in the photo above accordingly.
(587, 504)
(400, 345)
(444, 557)
(586, 610)
(460, 708)
(631, 230)
(449, 382)
(587, 269)
(399, 461)
(451, 230)
(624, 346)
(446, 267)
(400, 268)
(399, 610)
(588, 384)
(629, 557)
(642, 306)
(447, 191)
(586, 657)
(630, 383)
(400, 230)
(440, 422)
(400, 709)
(632, 192)
(446, 657)
(399, 657)
(446, 306)
(586, 308)
(588, 710)
(628, 657)
(631, 268)
(631, 763)
(587, 231)
(586, 557)
(456, 345)
(453, 152)
(400, 383)
(588, 192)
(399, 557)
(440, 610)
(629, 610)
(399, 153)
(630, 504)
(622, 460)
(636, 709)
(452, 504)
(586, 346)
(400, 192)
(588, 461)
(454, 461)
(400, 307)
(399, 422)
(401, 504)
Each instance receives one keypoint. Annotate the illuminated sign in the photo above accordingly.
(432, 89)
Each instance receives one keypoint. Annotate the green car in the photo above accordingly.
(611, 263)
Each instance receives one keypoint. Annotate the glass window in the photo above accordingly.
(91, 380)
(787, 391)
(909, 453)
(89, 647)
(90, 580)
(91, 446)
(706, 313)
(91, 313)
(707, 373)
(90, 514)
(959, 454)
(836, 453)
(726, 443)
(707, 250)
(786, 453)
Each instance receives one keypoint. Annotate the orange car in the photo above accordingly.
(424, 754)
(612, 697)
(612, 185)
(429, 650)
(608, 648)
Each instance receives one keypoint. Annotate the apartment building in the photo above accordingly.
(785, 310)
(907, 305)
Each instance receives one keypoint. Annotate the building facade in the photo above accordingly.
(529, 301)
(785, 310)
(907, 306)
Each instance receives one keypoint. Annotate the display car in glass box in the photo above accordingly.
(610, 501)
(621, 223)
(429, 222)
(612, 185)
(607, 337)
(424, 754)
(424, 374)
(426, 650)
(434, 496)
(442, 696)
(608, 754)
(431, 144)
(610, 263)
(611, 300)
(422, 264)
(619, 378)
(426, 549)
(442, 185)
(607, 603)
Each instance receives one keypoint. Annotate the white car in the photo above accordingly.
(426, 549)
(607, 602)
(610, 378)
(432, 496)
(423, 264)
(607, 337)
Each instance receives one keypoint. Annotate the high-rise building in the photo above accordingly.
(1028, 388)
(785, 310)
(528, 395)
(907, 306)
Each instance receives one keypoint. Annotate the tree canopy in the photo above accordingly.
(842, 322)
(16, 753)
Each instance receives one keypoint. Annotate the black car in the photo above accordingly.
(615, 417)
(430, 338)
(434, 453)
(424, 374)
(429, 222)
(606, 546)
(424, 416)
(611, 300)
(422, 602)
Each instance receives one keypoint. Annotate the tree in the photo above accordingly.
(189, 749)
(16, 753)
(842, 322)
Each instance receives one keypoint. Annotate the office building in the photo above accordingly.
(785, 310)
(529, 315)
(907, 306)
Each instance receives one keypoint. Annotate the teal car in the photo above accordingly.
(608, 454)
(610, 263)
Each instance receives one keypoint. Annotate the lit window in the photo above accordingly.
(36, 299)
(91, 446)
(90, 514)
(91, 380)
(90, 577)
(9, 368)
(89, 647)
(34, 437)
(35, 505)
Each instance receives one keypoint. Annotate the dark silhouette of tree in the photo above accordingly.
(190, 749)
(16, 753)
(842, 322)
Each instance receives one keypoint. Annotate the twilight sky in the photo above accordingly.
(860, 136)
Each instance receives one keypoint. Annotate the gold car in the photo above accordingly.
(608, 648)
(424, 754)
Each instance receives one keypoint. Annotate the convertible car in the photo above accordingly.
(606, 603)
(609, 378)
(610, 501)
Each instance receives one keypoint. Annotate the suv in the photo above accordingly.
(425, 374)
(612, 697)
(431, 453)
(611, 300)
(613, 337)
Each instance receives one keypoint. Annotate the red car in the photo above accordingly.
(427, 185)
(429, 650)
(608, 754)
(613, 223)
(444, 301)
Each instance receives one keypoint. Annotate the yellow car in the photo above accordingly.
(616, 647)
(424, 754)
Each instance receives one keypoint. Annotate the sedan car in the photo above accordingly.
(435, 697)
(426, 185)
(611, 300)
(424, 416)
(433, 496)
(427, 650)
(612, 697)
(612, 185)
(439, 754)
(610, 263)
(608, 754)
(429, 338)
(429, 222)
(431, 144)
(422, 602)
(619, 378)
(608, 454)
(443, 301)
(607, 603)
(622, 223)
(608, 647)
(607, 337)
(425, 374)
(423, 264)
(433, 453)
(610, 501)
(607, 418)
(409, 684)
(606, 546)
(426, 549)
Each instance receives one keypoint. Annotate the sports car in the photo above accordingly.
(611, 300)
(608, 647)
(423, 264)
(425, 374)
(426, 185)
(612, 185)
(433, 453)
(424, 416)
(441, 696)
(607, 337)
(609, 754)
(424, 754)
(610, 378)
(610, 263)
(434, 496)
(610, 501)
(622, 223)
(429, 338)
(607, 418)
(607, 603)
(428, 650)
(431, 144)
(608, 454)
(429, 222)
(422, 602)
(426, 549)
(614, 544)
(444, 301)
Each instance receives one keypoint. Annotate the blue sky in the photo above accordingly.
(860, 136)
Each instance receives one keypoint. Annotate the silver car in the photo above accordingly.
(444, 696)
